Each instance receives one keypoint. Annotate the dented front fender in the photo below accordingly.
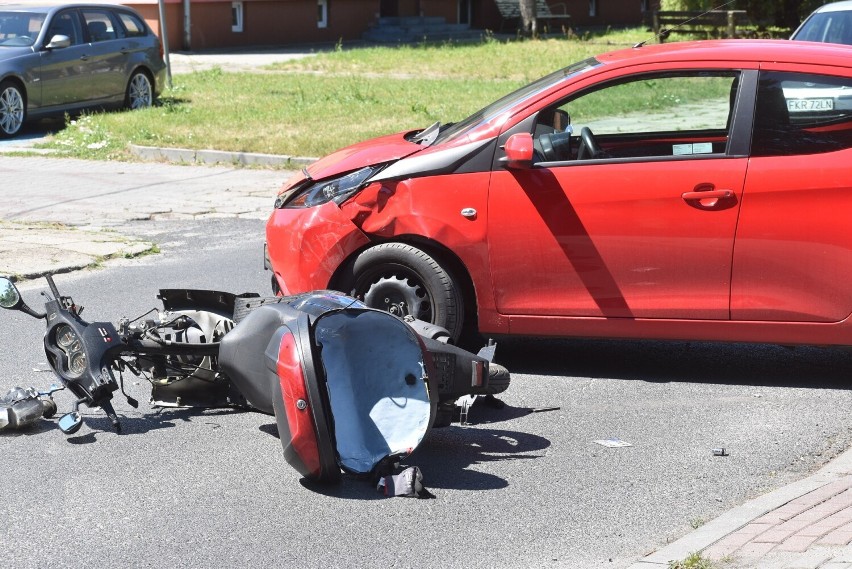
(307, 245)
(452, 215)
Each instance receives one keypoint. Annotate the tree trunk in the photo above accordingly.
(528, 16)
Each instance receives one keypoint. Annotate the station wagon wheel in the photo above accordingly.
(405, 280)
(140, 94)
(13, 109)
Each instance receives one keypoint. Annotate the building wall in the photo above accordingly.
(447, 9)
(174, 21)
(265, 22)
(613, 12)
(279, 22)
(283, 22)
(607, 13)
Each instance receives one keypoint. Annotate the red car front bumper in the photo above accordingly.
(307, 245)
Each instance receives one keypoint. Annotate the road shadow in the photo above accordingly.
(36, 428)
(97, 423)
(154, 421)
(664, 361)
(448, 456)
(36, 130)
(31, 134)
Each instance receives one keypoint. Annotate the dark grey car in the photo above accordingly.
(68, 57)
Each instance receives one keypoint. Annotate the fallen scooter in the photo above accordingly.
(352, 388)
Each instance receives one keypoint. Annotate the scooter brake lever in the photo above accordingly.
(51, 390)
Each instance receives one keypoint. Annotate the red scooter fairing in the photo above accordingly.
(349, 385)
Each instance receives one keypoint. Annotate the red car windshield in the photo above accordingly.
(503, 104)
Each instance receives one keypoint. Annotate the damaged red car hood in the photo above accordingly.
(374, 151)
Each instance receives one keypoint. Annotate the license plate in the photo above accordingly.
(806, 105)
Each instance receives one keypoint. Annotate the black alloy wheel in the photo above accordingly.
(404, 280)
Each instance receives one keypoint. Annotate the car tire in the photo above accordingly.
(13, 109)
(140, 92)
(407, 281)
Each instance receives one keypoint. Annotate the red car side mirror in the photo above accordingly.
(519, 150)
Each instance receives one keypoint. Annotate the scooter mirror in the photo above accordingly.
(71, 422)
(11, 299)
(9, 295)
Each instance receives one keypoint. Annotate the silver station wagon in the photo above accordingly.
(62, 58)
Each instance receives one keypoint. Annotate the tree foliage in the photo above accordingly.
(780, 13)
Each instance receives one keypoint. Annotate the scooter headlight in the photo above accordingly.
(336, 189)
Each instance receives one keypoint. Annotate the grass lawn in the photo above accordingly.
(315, 105)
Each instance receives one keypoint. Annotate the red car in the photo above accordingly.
(696, 191)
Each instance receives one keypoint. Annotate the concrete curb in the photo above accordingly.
(731, 521)
(186, 155)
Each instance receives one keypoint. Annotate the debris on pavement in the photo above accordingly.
(614, 443)
(21, 407)
(543, 409)
(408, 483)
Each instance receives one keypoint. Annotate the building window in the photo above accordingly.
(593, 8)
(322, 13)
(236, 16)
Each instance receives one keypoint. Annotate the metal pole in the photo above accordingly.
(187, 26)
(164, 37)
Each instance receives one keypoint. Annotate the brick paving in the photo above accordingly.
(802, 534)
(804, 525)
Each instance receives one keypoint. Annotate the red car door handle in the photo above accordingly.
(708, 198)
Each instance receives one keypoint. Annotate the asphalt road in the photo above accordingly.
(189, 488)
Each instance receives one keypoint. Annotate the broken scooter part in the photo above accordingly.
(351, 387)
(21, 407)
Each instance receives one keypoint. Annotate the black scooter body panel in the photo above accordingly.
(280, 356)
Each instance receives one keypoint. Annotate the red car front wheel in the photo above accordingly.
(405, 280)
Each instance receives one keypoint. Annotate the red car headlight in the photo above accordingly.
(336, 189)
